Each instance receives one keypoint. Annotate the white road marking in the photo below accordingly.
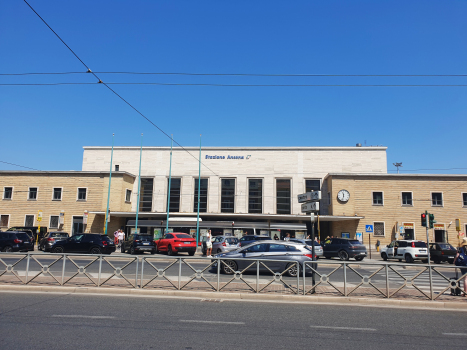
(345, 328)
(456, 334)
(211, 322)
(82, 316)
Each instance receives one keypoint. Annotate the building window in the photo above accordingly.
(175, 186)
(128, 196)
(29, 220)
(82, 194)
(437, 199)
(57, 194)
(53, 221)
(228, 196)
(329, 198)
(145, 198)
(32, 194)
(283, 196)
(407, 198)
(117, 167)
(379, 229)
(7, 192)
(4, 220)
(464, 199)
(377, 198)
(312, 185)
(255, 196)
(203, 196)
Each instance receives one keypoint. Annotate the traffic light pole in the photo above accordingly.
(428, 251)
(312, 215)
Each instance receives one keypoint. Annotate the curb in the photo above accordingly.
(303, 299)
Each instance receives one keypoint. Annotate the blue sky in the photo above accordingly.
(45, 127)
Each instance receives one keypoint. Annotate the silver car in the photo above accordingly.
(286, 254)
(308, 242)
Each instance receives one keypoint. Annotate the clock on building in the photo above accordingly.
(343, 195)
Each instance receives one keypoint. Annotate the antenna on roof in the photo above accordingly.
(397, 165)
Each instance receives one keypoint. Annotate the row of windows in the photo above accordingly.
(57, 192)
(407, 200)
(29, 221)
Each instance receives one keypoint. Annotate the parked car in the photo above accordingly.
(252, 239)
(174, 243)
(15, 241)
(344, 249)
(221, 244)
(50, 238)
(442, 252)
(308, 242)
(409, 250)
(138, 243)
(93, 243)
(268, 250)
(31, 231)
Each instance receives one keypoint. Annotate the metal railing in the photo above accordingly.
(326, 277)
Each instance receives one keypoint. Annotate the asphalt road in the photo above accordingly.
(62, 321)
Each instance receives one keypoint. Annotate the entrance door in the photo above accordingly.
(78, 226)
(440, 236)
(409, 233)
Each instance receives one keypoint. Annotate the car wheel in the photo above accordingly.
(170, 251)
(400, 260)
(230, 268)
(384, 256)
(343, 255)
(122, 249)
(408, 258)
(292, 272)
(451, 261)
(328, 257)
(219, 250)
(436, 260)
(132, 251)
(359, 258)
(425, 261)
(8, 249)
(95, 250)
(191, 253)
(58, 250)
(153, 252)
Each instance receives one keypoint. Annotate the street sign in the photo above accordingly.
(458, 225)
(359, 236)
(85, 217)
(61, 219)
(369, 228)
(39, 216)
(312, 196)
(401, 229)
(310, 206)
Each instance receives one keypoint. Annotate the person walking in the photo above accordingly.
(462, 254)
(287, 238)
(116, 233)
(209, 244)
(275, 237)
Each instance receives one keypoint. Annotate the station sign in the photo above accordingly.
(310, 206)
(312, 196)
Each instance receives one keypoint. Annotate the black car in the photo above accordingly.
(85, 243)
(139, 243)
(252, 239)
(14, 241)
(442, 252)
(31, 231)
(344, 249)
(50, 239)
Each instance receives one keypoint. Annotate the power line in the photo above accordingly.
(21, 166)
(237, 74)
(237, 85)
(108, 87)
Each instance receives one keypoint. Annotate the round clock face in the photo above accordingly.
(343, 195)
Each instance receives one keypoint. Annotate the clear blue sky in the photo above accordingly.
(45, 127)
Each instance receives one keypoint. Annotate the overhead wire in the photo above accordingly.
(231, 85)
(113, 91)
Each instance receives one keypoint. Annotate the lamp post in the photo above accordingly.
(170, 181)
(110, 182)
(139, 184)
(199, 192)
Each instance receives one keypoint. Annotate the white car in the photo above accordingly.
(409, 250)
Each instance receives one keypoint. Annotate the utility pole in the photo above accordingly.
(397, 165)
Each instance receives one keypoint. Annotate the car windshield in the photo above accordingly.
(59, 234)
(262, 238)
(232, 240)
(23, 236)
(183, 235)
(419, 244)
(355, 242)
(146, 237)
(105, 238)
(308, 242)
(217, 239)
(446, 246)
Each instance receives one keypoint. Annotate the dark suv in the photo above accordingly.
(31, 231)
(14, 241)
(252, 239)
(50, 239)
(137, 243)
(93, 243)
(344, 249)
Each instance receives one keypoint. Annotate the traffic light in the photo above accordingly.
(432, 220)
(423, 217)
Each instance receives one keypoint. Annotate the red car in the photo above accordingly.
(176, 242)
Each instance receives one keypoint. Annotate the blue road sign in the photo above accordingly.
(368, 228)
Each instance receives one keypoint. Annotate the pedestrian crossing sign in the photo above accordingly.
(369, 228)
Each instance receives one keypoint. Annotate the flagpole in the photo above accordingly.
(170, 182)
(199, 191)
(139, 184)
(110, 181)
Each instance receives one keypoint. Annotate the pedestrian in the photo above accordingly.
(287, 237)
(462, 252)
(116, 233)
(209, 244)
(275, 237)
(121, 237)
